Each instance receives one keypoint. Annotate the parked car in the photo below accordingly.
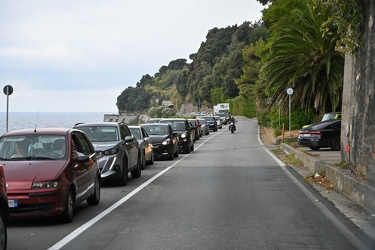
(118, 150)
(324, 134)
(204, 127)
(224, 118)
(211, 122)
(184, 131)
(163, 139)
(199, 124)
(49, 171)
(218, 121)
(4, 211)
(145, 144)
(327, 117)
(195, 128)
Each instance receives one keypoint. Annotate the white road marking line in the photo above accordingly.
(91, 222)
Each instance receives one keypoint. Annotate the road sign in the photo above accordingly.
(8, 90)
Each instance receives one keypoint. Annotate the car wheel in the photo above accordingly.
(187, 151)
(171, 154)
(3, 231)
(314, 148)
(143, 164)
(67, 215)
(151, 162)
(136, 173)
(335, 143)
(124, 175)
(95, 197)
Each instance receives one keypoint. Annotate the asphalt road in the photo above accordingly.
(230, 193)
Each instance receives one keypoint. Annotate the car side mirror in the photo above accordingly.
(129, 139)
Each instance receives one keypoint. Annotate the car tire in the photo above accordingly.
(94, 199)
(3, 231)
(143, 164)
(171, 154)
(151, 161)
(136, 173)
(188, 149)
(336, 143)
(314, 148)
(124, 175)
(68, 213)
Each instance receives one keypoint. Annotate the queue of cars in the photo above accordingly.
(49, 171)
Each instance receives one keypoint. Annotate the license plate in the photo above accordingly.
(12, 203)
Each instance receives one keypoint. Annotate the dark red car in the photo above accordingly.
(4, 211)
(49, 171)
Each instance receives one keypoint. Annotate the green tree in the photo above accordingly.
(305, 59)
(133, 99)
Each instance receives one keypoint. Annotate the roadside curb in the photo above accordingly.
(359, 192)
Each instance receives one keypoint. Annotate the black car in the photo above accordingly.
(184, 131)
(324, 134)
(118, 151)
(194, 125)
(211, 122)
(163, 139)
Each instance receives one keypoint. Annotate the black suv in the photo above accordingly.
(118, 151)
(184, 131)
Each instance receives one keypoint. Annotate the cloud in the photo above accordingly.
(50, 49)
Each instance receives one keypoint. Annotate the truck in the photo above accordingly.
(223, 108)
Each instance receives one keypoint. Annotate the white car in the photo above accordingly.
(218, 121)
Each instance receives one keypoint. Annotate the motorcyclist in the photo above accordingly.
(232, 121)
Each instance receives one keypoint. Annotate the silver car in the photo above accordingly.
(118, 150)
(145, 143)
(218, 121)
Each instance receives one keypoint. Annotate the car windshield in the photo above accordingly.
(136, 132)
(177, 125)
(100, 133)
(33, 147)
(209, 118)
(156, 129)
(202, 121)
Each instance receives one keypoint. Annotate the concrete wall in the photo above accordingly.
(358, 120)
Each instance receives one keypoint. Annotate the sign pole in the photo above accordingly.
(289, 91)
(8, 90)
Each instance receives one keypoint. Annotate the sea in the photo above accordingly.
(22, 120)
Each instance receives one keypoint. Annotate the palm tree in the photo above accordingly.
(304, 58)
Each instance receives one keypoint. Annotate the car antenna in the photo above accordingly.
(36, 122)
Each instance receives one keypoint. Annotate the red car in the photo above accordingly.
(49, 171)
(4, 211)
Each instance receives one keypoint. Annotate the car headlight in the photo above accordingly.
(111, 151)
(183, 135)
(46, 184)
(166, 142)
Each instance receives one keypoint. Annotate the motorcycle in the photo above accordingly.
(232, 128)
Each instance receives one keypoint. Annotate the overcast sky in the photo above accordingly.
(78, 56)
